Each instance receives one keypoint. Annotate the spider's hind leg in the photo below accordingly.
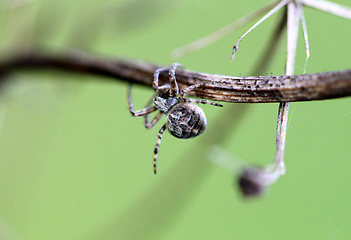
(190, 100)
(139, 113)
(152, 123)
(190, 88)
(157, 147)
(202, 101)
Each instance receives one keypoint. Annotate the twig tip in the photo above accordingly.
(235, 48)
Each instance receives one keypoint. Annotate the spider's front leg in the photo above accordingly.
(156, 77)
(174, 89)
(172, 79)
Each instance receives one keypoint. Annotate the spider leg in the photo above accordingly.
(139, 113)
(158, 116)
(158, 142)
(148, 124)
(202, 101)
(190, 100)
(172, 79)
(156, 77)
(190, 88)
(166, 86)
(150, 101)
(142, 112)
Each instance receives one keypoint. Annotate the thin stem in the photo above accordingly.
(293, 28)
(281, 136)
(330, 7)
(305, 35)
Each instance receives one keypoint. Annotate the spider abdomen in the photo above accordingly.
(186, 120)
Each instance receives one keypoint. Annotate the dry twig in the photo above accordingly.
(262, 89)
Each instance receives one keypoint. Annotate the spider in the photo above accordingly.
(184, 118)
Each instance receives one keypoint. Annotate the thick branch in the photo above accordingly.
(262, 89)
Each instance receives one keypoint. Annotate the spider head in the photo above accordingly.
(165, 104)
(164, 92)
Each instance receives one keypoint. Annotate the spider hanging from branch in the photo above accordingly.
(184, 118)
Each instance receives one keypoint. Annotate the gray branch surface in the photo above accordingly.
(261, 89)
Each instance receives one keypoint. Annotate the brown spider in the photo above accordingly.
(184, 119)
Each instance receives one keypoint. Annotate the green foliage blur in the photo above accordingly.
(75, 165)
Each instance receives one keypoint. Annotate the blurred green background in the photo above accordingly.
(75, 165)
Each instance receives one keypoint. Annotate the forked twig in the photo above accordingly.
(270, 13)
(331, 7)
(213, 37)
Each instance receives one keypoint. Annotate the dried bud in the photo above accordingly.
(254, 181)
(250, 182)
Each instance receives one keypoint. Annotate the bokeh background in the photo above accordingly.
(75, 165)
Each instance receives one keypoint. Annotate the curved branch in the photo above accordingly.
(262, 89)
